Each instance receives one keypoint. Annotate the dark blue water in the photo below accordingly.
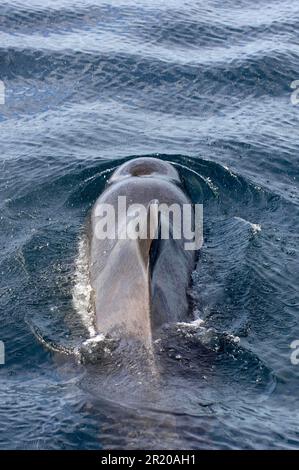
(205, 85)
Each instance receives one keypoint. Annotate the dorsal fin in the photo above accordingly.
(153, 221)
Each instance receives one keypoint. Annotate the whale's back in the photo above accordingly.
(134, 293)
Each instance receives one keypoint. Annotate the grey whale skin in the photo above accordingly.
(139, 285)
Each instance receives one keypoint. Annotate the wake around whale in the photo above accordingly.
(139, 275)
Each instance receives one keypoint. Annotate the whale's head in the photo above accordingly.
(146, 167)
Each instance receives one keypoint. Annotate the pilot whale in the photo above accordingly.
(139, 284)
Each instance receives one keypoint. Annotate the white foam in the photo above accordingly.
(94, 340)
(256, 228)
(210, 183)
(229, 171)
(82, 289)
(94, 349)
(207, 336)
(194, 324)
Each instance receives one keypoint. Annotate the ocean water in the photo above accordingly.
(206, 85)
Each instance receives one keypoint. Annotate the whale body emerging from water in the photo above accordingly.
(140, 284)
